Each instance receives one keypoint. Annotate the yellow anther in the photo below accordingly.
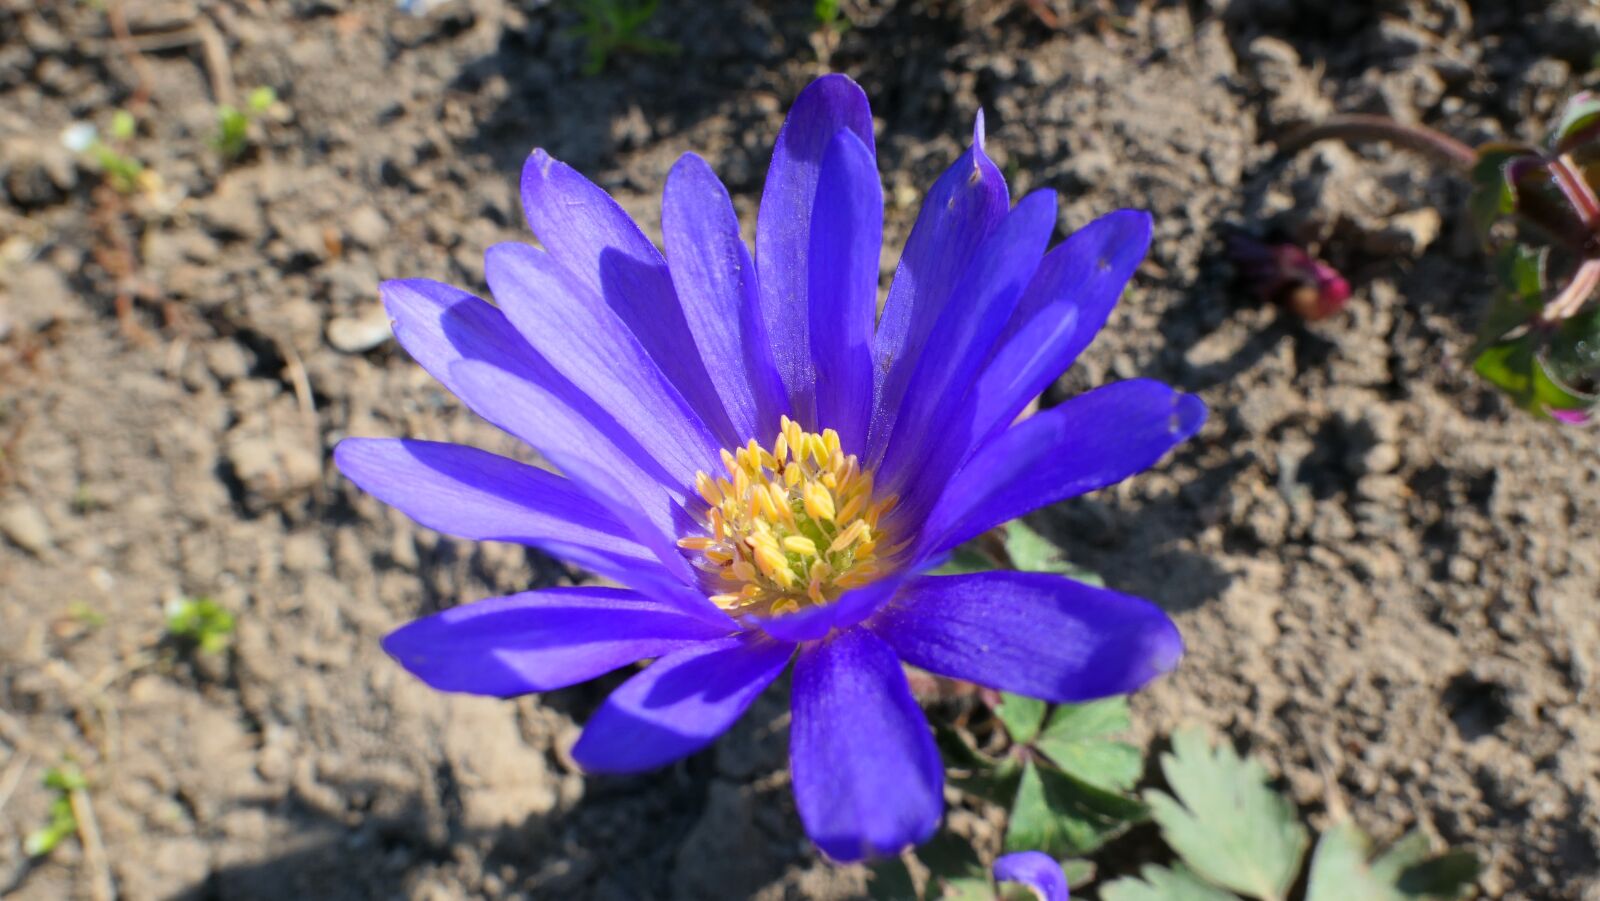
(800, 544)
(856, 532)
(763, 499)
(707, 489)
(852, 506)
(790, 527)
(818, 502)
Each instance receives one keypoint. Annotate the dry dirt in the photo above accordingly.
(1388, 578)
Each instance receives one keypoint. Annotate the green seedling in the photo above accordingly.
(200, 622)
(234, 125)
(64, 781)
(613, 26)
(829, 15)
(121, 169)
(85, 615)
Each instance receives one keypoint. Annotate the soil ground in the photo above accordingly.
(1387, 577)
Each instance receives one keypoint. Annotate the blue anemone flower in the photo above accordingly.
(1036, 870)
(770, 468)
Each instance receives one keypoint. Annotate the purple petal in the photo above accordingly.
(474, 494)
(1058, 315)
(846, 243)
(470, 347)
(593, 239)
(591, 346)
(1035, 634)
(783, 227)
(716, 281)
(541, 640)
(867, 777)
(959, 213)
(927, 445)
(645, 500)
(1036, 870)
(680, 704)
(440, 325)
(1089, 442)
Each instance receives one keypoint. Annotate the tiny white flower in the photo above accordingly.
(79, 136)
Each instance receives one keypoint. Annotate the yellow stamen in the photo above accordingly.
(790, 527)
(818, 502)
(800, 544)
(856, 532)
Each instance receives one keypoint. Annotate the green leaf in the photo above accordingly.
(1075, 741)
(1572, 358)
(1079, 872)
(1022, 716)
(965, 890)
(261, 99)
(1343, 867)
(1161, 884)
(202, 621)
(1492, 196)
(1508, 365)
(1031, 552)
(1062, 816)
(1520, 269)
(1230, 827)
(1580, 121)
(890, 880)
(123, 125)
(65, 778)
(1554, 393)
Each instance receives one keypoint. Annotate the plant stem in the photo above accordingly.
(1577, 191)
(1360, 128)
(1574, 295)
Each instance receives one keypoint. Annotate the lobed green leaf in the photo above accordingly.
(1156, 883)
(1226, 823)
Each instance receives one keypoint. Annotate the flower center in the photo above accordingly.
(789, 527)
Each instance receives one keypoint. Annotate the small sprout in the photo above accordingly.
(201, 622)
(1286, 275)
(610, 26)
(234, 124)
(122, 171)
(261, 99)
(123, 125)
(85, 615)
(64, 781)
(829, 15)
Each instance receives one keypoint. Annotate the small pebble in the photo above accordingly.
(26, 527)
(358, 334)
